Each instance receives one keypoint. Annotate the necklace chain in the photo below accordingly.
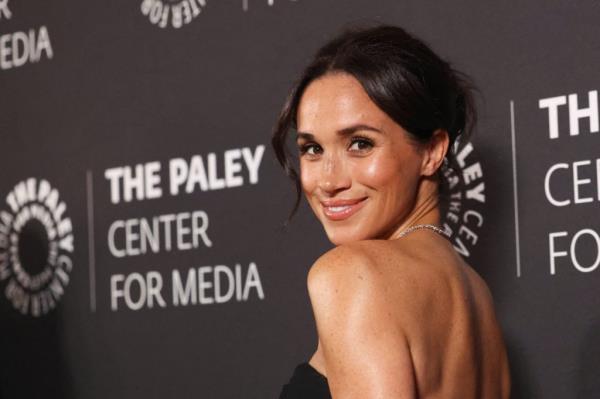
(424, 226)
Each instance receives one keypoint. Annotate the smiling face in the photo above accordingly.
(360, 171)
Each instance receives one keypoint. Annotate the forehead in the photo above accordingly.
(335, 101)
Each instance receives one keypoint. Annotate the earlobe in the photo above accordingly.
(435, 152)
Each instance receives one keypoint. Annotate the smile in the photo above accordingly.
(341, 209)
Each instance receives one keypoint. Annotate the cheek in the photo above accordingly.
(378, 172)
(308, 177)
(394, 180)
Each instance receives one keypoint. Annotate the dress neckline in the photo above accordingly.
(314, 370)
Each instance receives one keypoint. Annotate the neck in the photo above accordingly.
(426, 210)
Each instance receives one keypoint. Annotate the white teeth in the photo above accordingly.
(338, 208)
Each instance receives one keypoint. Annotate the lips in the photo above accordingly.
(341, 209)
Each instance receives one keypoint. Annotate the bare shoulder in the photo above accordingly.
(480, 288)
(349, 268)
(346, 262)
(370, 275)
(355, 325)
(390, 305)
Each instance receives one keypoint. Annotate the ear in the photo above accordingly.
(434, 152)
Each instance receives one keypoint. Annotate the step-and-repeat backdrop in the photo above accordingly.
(143, 245)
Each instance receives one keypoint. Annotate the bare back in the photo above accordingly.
(446, 312)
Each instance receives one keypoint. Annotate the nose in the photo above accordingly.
(334, 177)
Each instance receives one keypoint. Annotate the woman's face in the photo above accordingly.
(359, 170)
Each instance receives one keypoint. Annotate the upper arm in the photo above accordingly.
(366, 352)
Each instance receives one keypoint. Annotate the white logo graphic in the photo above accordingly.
(462, 216)
(36, 245)
(175, 13)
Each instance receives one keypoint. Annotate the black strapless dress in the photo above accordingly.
(306, 383)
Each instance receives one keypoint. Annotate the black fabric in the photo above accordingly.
(306, 383)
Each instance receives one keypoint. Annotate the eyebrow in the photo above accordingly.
(342, 132)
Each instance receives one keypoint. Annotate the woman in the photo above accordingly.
(399, 314)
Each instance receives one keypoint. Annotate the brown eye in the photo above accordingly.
(310, 149)
(360, 144)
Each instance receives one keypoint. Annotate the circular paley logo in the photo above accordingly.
(172, 13)
(36, 247)
(464, 201)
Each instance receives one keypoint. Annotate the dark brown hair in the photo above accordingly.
(415, 87)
